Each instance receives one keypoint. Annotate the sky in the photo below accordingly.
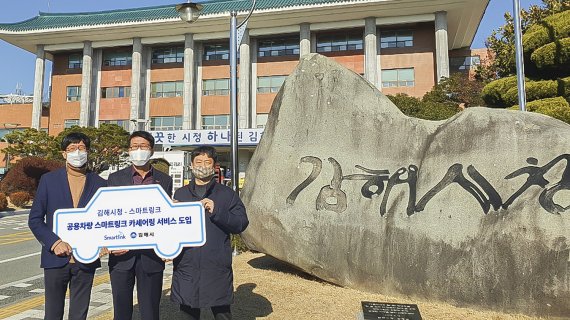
(17, 66)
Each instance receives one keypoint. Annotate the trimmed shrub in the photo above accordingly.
(554, 27)
(409, 106)
(493, 92)
(20, 199)
(554, 55)
(438, 111)
(238, 243)
(3, 202)
(557, 108)
(535, 90)
(25, 175)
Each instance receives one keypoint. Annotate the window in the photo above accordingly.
(261, 119)
(115, 92)
(168, 55)
(216, 87)
(166, 123)
(113, 59)
(270, 84)
(398, 78)
(339, 41)
(464, 63)
(396, 39)
(221, 121)
(68, 123)
(73, 93)
(166, 89)
(216, 52)
(75, 61)
(121, 123)
(278, 47)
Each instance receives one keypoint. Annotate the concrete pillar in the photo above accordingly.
(370, 51)
(305, 39)
(244, 84)
(313, 42)
(441, 45)
(188, 97)
(198, 108)
(136, 83)
(144, 107)
(95, 88)
(86, 74)
(38, 87)
(253, 97)
(379, 60)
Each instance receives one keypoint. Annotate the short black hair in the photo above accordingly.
(142, 134)
(207, 150)
(75, 137)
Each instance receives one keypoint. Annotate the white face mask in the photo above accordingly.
(139, 157)
(76, 158)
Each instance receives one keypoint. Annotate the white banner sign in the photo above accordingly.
(246, 137)
(131, 217)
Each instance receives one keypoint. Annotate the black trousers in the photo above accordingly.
(56, 281)
(220, 312)
(149, 292)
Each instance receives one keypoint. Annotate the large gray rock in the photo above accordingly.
(473, 210)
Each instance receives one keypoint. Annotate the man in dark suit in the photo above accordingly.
(69, 187)
(143, 265)
(203, 276)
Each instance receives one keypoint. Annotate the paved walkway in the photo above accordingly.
(100, 307)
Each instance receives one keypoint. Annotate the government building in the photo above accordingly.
(145, 68)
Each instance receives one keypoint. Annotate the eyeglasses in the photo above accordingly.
(140, 146)
(73, 148)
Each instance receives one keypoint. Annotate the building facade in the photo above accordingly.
(145, 68)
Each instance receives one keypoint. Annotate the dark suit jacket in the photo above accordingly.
(53, 193)
(150, 261)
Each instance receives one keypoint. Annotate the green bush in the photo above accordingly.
(409, 106)
(493, 92)
(3, 202)
(564, 84)
(429, 110)
(437, 111)
(554, 27)
(557, 108)
(20, 199)
(535, 90)
(554, 55)
(238, 244)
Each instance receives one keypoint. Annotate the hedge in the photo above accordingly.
(553, 55)
(3, 202)
(493, 92)
(557, 108)
(535, 90)
(25, 175)
(20, 199)
(552, 28)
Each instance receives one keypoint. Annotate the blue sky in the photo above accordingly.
(17, 65)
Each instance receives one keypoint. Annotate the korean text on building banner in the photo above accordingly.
(131, 217)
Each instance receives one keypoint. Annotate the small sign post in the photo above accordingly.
(390, 311)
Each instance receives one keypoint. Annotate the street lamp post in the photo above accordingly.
(519, 54)
(236, 34)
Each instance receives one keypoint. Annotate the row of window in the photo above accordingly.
(287, 46)
(175, 122)
(221, 87)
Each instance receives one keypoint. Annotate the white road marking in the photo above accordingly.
(21, 257)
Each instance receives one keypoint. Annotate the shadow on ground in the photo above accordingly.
(248, 305)
(267, 262)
